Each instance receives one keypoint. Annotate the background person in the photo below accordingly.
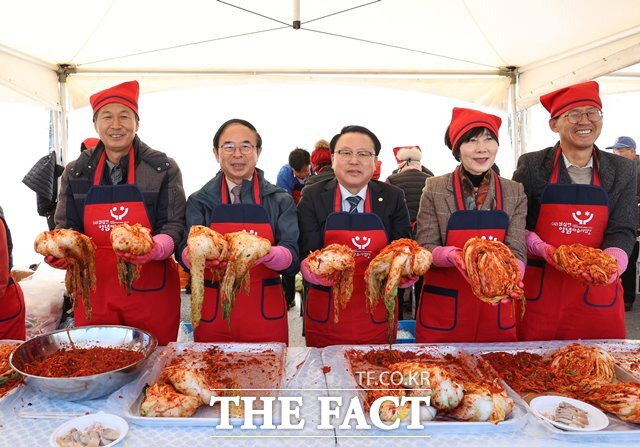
(471, 201)
(292, 178)
(626, 147)
(320, 163)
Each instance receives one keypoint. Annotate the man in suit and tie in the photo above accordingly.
(361, 213)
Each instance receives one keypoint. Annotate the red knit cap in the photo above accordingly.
(125, 94)
(89, 143)
(463, 120)
(404, 153)
(579, 95)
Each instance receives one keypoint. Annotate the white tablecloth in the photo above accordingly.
(16, 430)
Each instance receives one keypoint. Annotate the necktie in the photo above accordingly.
(116, 175)
(353, 201)
(235, 191)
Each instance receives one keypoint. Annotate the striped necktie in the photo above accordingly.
(235, 192)
(354, 201)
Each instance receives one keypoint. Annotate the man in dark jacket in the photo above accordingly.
(361, 213)
(124, 181)
(576, 193)
(239, 198)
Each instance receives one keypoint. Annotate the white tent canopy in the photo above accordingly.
(499, 53)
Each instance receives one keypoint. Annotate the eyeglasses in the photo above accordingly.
(360, 155)
(574, 117)
(230, 148)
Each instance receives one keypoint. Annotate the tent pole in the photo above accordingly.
(63, 128)
(296, 14)
(516, 116)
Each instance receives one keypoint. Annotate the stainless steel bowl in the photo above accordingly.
(86, 387)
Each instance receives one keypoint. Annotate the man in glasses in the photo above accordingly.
(239, 198)
(576, 194)
(361, 213)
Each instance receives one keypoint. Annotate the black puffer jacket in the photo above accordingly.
(157, 176)
(411, 182)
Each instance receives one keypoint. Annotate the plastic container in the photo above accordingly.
(409, 326)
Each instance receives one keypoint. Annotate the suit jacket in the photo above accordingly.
(617, 177)
(316, 204)
(438, 203)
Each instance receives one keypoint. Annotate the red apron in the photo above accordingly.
(365, 233)
(558, 306)
(154, 304)
(12, 310)
(260, 315)
(448, 309)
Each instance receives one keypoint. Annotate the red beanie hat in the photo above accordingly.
(125, 94)
(404, 153)
(321, 155)
(463, 120)
(89, 143)
(585, 94)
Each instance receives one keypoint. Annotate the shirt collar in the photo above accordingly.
(230, 184)
(344, 193)
(568, 164)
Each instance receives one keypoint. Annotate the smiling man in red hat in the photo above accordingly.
(576, 194)
(122, 180)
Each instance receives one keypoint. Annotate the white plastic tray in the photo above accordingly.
(341, 382)
(205, 415)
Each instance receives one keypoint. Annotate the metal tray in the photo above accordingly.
(205, 415)
(616, 428)
(340, 381)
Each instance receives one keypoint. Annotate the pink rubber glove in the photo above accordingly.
(209, 263)
(621, 259)
(458, 262)
(162, 249)
(443, 256)
(406, 282)
(278, 258)
(538, 247)
(312, 278)
(521, 267)
(56, 263)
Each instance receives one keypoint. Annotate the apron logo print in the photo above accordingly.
(254, 232)
(365, 242)
(577, 216)
(114, 210)
(491, 238)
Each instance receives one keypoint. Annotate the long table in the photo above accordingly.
(304, 376)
